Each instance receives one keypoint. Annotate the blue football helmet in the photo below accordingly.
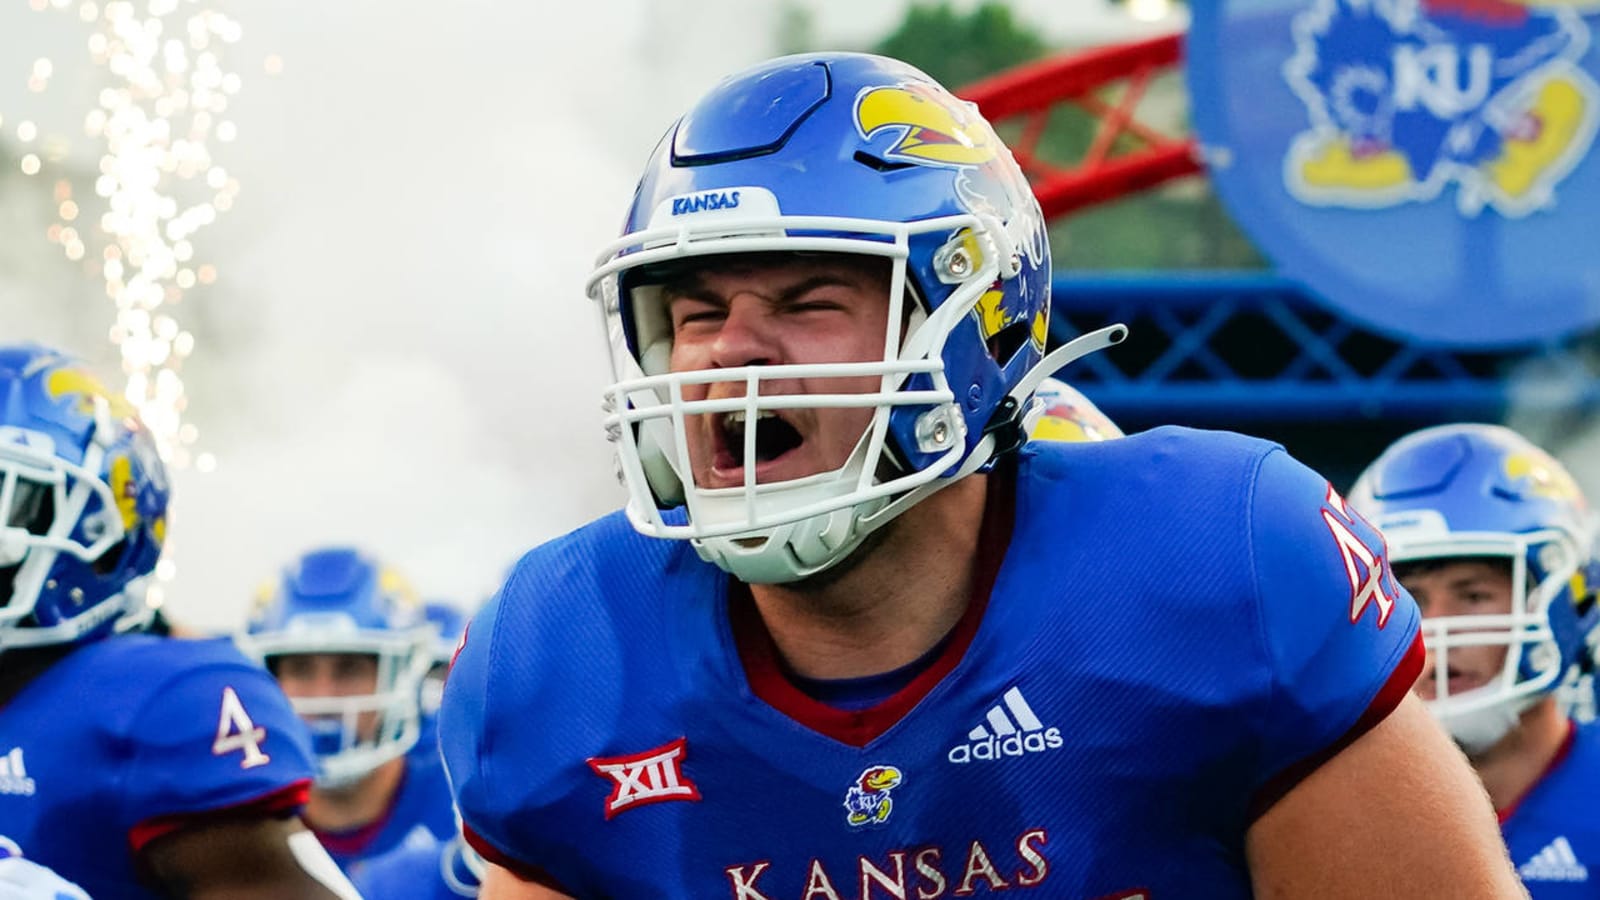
(1483, 491)
(830, 153)
(83, 502)
(338, 600)
(448, 621)
(1062, 413)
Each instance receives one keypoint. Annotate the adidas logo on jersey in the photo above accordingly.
(1004, 735)
(1555, 862)
(14, 778)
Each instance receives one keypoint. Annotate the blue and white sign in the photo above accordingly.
(1425, 166)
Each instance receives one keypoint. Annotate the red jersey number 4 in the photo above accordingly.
(1366, 567)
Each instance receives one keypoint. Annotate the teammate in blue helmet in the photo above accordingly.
(131, 765)
(448, 620)
(1062, 413)
(892, 647)
(1495, 541)
(346, 638)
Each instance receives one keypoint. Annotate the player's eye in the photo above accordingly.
(689, 310)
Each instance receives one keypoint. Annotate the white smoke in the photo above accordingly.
(397, 352)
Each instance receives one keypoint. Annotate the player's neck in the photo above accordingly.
(1515, 764)
(892, 605)
(360, 804)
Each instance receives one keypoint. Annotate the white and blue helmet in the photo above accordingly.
(1485, 492)
(339, 600)
(829, 153)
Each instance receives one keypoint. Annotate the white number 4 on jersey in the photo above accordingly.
(235, 731)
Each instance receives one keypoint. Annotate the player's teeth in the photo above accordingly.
(737, 417)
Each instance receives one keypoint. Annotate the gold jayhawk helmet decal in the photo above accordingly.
(1545, 477)
(934, 127)
(1067, 415)
(76, 382)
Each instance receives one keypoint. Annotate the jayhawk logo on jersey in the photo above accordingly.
(868, 800)
(1407, 97)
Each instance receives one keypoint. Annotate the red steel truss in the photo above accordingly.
(1029, 93)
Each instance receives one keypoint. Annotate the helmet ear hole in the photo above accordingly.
(111, 559)
(1007, 341)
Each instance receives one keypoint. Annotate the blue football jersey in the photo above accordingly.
(126, 739)
(419, 814)
(1553, 833)
(1175, 628)
(426, 871)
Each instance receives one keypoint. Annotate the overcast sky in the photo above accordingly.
(398, 352)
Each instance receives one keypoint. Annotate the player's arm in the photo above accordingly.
(1358, 793)
(1398, 813)
(246, 859)
(502, 884)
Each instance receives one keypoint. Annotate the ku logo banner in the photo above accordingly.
(1424, 168)
(1409, 98)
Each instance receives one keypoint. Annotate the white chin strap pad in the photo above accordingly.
(1480, 729)
(794, 551)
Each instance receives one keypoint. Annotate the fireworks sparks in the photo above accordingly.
(161, 106)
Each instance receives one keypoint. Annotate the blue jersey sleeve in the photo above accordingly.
(1342, 638)
(463, 718)
(215, 733)
(468, 728)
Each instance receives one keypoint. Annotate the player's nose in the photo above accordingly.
(748, 335)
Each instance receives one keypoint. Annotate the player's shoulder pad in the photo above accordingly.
(205, 729)
(1162, 449)
(541, 679)
(1159, 473)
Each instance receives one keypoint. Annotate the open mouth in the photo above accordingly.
(1461, 681)
(1456, 681)
(774, 438)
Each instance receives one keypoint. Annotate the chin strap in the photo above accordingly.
(1072, 350)
(1004, 432)
(1007, 426)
